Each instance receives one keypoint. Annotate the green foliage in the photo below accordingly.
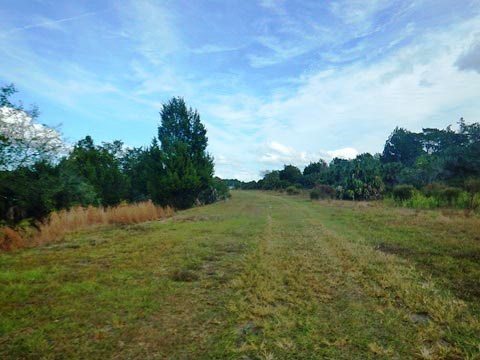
(357, 179)
(177, 171)
(472, 186)
(402, 146)
(221, 190)
(450, 195)
(34, 192)
(188, 169)
(99, 166)
(290, 174)
(439, 162)
(314, 173)
(137, 164)
(314, 194)
(271, 181)
(403, 192)
(292, 190)
(323, 192)
(419, 201)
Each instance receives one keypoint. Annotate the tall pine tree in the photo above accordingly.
(188, 167)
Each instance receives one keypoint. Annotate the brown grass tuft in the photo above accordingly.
(10, 239)
(59, 223)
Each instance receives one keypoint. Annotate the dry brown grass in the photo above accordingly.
(62, 222)
(10, 239)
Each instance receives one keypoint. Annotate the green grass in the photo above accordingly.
(261, 276)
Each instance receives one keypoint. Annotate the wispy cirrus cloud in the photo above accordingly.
(52, 24)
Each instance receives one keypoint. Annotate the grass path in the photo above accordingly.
(260, 276)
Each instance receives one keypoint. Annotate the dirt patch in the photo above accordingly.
(420, 318)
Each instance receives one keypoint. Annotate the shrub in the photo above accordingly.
(433, 189)
(292, 190)
(420, 201)
(323, 192)
(403, 192)
(450, 195)
(472, 185)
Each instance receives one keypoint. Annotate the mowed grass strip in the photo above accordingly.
(261, 276)
(313, 292)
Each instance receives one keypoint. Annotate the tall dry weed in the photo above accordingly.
(10, 239)
(59, 223)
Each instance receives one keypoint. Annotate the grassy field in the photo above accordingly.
(261, 276)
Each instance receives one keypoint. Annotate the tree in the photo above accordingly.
(290, 174)
(271, 180)
(99, 167)
(188, 168)
(315, 173)
(402, 146)
(135, 165)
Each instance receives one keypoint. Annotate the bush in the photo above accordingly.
(292, 190)
(450, 195)
(403, 192)
(472, 185)
(420, 201)
(433, 189)
(323, 192)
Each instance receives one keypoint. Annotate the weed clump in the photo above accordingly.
(403, 192)
(323, 192)
(292, 190)
(10, 239)
(184, 276)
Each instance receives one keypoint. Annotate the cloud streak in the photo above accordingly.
(51, 24)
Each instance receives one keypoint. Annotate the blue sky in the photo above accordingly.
(274, 81)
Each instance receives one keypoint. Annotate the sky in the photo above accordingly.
(275, 81)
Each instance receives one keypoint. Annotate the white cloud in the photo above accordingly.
(353, 109)
(276, 154)
(345, 153)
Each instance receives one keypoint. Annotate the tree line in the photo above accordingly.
(438, 166)
(38, 174)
